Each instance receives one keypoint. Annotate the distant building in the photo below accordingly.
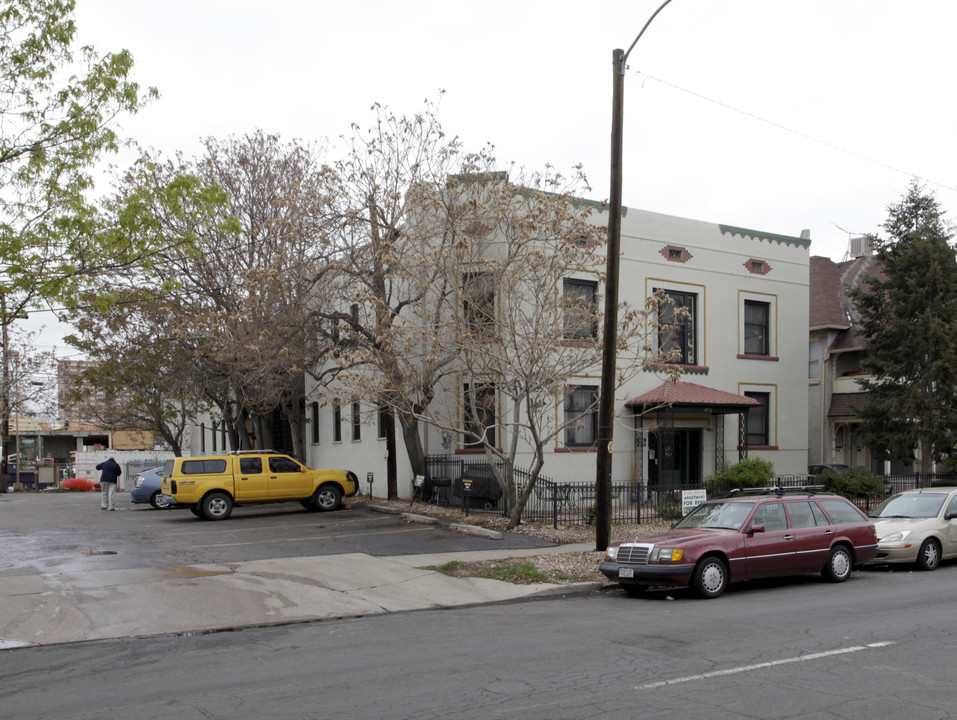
(835, 354)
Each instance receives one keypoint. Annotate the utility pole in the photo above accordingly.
(609, 361)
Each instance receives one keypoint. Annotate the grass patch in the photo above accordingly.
(451, 565)
(523, 571)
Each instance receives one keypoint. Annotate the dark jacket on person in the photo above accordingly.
(109, 470)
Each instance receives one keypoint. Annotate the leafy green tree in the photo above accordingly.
(908, 316)
(58, 111)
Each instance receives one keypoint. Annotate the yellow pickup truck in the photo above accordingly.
(211, 485)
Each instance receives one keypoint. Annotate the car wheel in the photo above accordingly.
(928, 557)
(328, 497)
(710, 577)
(159, 500)
(216, 506)
(634, 590)
(839, 564)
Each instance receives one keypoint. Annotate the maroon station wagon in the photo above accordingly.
(753, 534)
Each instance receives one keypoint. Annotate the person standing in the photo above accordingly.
(109, 473)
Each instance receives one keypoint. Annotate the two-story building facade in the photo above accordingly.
(742, 391)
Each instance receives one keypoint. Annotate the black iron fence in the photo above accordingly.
(469, 484)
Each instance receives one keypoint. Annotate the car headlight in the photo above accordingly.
(896, 537)
(667, 554)
(611, 553)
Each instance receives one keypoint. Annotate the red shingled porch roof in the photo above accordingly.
(689, 396)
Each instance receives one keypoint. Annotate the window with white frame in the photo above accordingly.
(383, 419)
(336, 421)
(759, 419)
(356, 422)
(757, 327)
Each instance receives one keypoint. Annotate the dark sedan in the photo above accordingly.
(768, 533)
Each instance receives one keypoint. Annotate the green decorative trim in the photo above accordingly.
(760, 235)
(685, 369)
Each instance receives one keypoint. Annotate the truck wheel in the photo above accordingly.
(196, 510)
(328, 497)
(216, 506)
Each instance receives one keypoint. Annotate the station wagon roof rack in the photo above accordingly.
(793, 490)
(252, 452)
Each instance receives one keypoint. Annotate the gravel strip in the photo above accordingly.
(560, 568)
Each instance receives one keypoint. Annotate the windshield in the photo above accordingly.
(910, 505)
(728, 515)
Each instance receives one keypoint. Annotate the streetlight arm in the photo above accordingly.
(624, 58)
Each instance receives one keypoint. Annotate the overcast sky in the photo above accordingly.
(777, 115)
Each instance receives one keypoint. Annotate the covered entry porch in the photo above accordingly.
(680, 433)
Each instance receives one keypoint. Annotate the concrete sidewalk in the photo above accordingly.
(67, 607)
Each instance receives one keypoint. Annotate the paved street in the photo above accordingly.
(877, 647)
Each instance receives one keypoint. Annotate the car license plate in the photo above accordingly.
(626, 572)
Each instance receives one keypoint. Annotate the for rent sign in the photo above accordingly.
(690, 499)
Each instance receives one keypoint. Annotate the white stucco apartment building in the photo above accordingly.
(744, 348)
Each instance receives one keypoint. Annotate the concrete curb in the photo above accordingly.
(475, 530)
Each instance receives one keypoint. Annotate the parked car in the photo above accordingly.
(147, 488)
(211, 485)
(917, 526)
(752, 534)
(821, 467)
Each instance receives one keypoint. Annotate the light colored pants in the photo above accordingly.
(107, 493)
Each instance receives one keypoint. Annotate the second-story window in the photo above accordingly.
(580, 303)
(756, 327)
(479, 304)
(676, 327)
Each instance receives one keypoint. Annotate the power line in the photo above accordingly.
(798, 133)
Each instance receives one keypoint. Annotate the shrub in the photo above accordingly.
(749, 473)
(854, 483)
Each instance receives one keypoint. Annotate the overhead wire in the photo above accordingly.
(797, 133)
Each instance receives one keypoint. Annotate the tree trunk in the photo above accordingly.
(293, 411)
(392, 475)
(413, 443)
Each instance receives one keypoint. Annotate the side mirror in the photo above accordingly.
(756, 529)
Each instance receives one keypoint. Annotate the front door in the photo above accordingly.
(675, 461)
(770, 552)
(288, 479)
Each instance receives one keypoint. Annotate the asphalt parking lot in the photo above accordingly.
(66, 532)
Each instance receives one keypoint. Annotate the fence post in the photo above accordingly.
(555, 506)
